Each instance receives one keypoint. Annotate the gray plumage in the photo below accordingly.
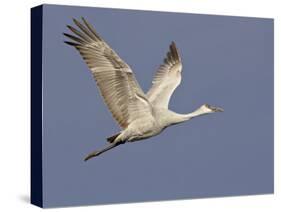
(140, 115)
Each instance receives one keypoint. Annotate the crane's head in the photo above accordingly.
(206, 108)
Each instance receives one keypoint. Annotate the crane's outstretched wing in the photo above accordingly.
(115, 79)
(166, 79)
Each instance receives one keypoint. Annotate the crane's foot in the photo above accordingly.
(93, 154)
(98, 152)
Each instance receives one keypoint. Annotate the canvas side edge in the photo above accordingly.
(36, 190)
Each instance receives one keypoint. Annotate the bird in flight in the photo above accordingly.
(140, 115)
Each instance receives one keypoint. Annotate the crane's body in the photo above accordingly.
(145, 127)
(139, 115)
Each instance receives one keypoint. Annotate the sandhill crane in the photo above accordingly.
(139, 115)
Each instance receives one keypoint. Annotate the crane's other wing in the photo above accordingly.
(115, 79)
(166, 79)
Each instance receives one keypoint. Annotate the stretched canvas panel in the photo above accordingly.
(226, 61)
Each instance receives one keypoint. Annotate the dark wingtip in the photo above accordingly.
(75, 21)
(174, 51)
(84, 21)
(173, 44)
(71, 28)
(71, 43)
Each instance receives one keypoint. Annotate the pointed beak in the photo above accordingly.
(217, 109)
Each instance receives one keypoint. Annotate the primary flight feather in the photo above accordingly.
(140, 115)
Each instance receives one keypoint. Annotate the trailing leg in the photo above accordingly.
(98, 152)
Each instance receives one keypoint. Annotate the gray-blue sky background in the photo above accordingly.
(227, 62)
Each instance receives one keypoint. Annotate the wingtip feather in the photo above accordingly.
(174, 51)
(71, 43)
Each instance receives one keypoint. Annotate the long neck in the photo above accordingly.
(178, 118)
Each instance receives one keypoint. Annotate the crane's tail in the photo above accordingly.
(111, 139)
